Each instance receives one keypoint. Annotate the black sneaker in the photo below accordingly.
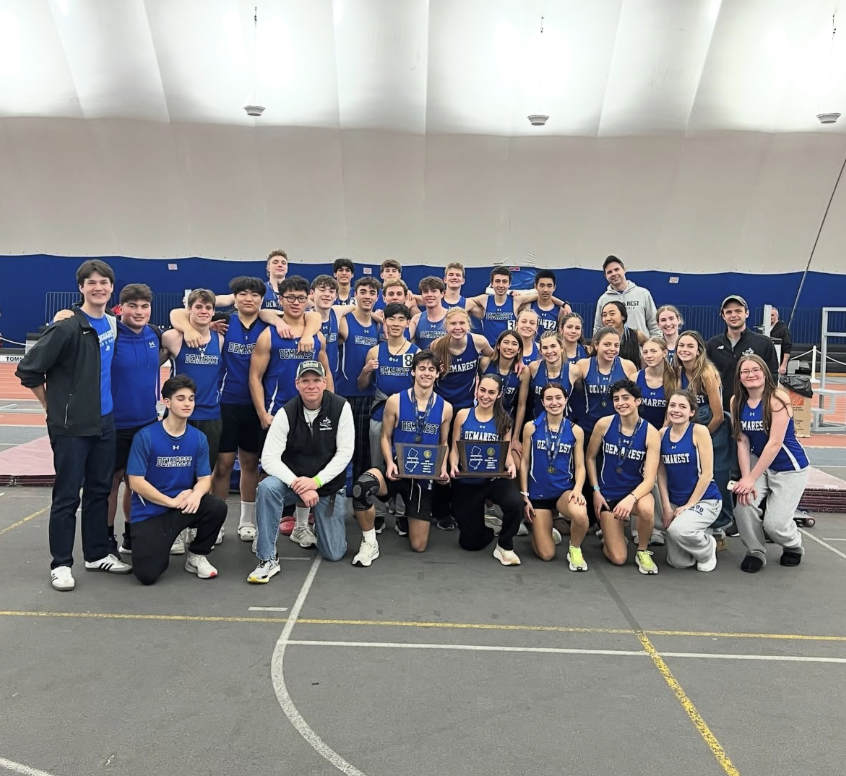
(401, 526)
(446, 523)
(790, 558)
(752, 564)
(379, 525)
(730, 530)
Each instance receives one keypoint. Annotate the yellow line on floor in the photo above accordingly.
(687, 704)
(24, 520)
(719, 635)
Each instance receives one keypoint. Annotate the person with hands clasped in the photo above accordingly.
(170, 478)
(552, 476)
(622, 487)
(690, 497)
(486, 422)
(773, 465)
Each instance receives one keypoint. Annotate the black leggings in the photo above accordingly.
(468, 503)
(152, 538)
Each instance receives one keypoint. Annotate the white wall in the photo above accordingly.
(704, 203)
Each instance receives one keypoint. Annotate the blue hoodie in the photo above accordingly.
(135, 376)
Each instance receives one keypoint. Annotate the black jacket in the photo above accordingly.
(781, 332)
(725, 357)
(67, 359)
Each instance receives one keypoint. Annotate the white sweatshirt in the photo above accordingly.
(639, 306)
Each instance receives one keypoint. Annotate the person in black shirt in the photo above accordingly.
(780, 331)
(725, 350)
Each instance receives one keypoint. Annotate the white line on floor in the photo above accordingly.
(268, 609)
(825, 538)
(277, 673)
(297, 558)
(824, 544)
(563, 651)
(23, 769)
(8, 407)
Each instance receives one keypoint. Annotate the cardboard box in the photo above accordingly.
(801, 414)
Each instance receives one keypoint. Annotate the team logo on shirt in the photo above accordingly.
(151, 344)
(176, 447)
(324, 425)
(749, 352)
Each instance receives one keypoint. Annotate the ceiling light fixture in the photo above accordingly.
(539, 119)
(831, 117)
(252, 107)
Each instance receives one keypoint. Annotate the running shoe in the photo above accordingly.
(523, 530)
(556, 536)
(178, 546)
(111, 564)
(711, 563)
(494, 523)
(379, 523)
(367, 553)
(247, 532)
(62, 579)
(219, 539)
(645, 564)
(199, 565)
(657, 539)
(287, 525)
(401, 525)
(790, 557)
(446, 523)
(506, 557)
(125, 545)
(576, 559)
(264, 572)
(303, 536)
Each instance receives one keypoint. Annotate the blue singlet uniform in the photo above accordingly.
(204, 365)
(359, 340)
(542, 377)
(329, 330)
(547, 319)
(422, 427)
(170, 464)
(701, 398)
(135, 376)
(280, 377)
(428, 331)
(622, 459)
(581, 352)
(790, 457)
(681, 462)
(498, 318)
(449, 305)
(392, 376)
(271, 297)
(653, 408)
(457, 385)
(543, 483)
(597, 388)
(510, 387)
(475, 430)
(533, 356)
(239, 342)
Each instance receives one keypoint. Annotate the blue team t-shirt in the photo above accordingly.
(104, 331)
(170, 464)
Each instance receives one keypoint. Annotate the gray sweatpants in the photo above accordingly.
(782, 491)
(688, 540)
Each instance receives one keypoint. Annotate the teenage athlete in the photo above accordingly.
(343, 271)
(549, 309)
(324, 292)
(614, 315)
(515, 387)
(428, 325)
(415, 416)
(527, 329)
(550, 368)
(697, 373)
(670, 322)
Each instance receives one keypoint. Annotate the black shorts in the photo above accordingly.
(415, 494)
(550, 504)
(241, 429)
(123, 444)
(211, 429)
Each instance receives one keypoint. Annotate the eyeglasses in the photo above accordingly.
(749, 372)
(295, 299)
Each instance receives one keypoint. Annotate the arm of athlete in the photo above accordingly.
(458, 424)
(599, 503)
(259, 361)
(389, 422)
(446, 420)
(371, 364)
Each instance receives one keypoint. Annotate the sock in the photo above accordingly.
(302, 517)
(369, 536)
(248, 513)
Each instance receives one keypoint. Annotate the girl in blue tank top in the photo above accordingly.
(460, 352)
(570, 333)
(515, 388)
(552, 368)
(204, 365)
(527, 329)
(773, 465)
(622, 464)
(597, 373)
(670, 322)
(690, 497)
(698, 374)
(552, 475)
(656, 382)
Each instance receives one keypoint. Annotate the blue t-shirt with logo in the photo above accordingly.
(170, 464)
(104, 331)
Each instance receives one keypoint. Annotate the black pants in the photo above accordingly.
(468, 503)
(360, 406)
(152, 538)
(85, 462)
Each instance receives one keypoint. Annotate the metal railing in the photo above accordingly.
(63, 300)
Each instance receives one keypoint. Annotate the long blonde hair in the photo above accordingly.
(702, 366)
(668, 374)
(441, 345)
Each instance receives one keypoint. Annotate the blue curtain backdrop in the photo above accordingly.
(27, 280)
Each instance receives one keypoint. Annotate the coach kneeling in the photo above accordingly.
(308, 447)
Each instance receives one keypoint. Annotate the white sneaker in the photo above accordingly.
(190, 534)
(178, 546)
(506, 557)
(264, 572)
(556, 536)
(62, 579)
(494, 523)
(657, 539)
(367, 553)
(523, 530)
(303, 536)
(711, 563)
(576, 559)
(219, 539)
(199, 565)
(110, 564)
(247, 532)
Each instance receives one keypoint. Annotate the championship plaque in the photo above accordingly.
(420, 462)
(483, 459)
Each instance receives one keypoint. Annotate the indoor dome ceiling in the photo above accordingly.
(601, 67)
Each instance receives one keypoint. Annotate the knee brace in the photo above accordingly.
(365, 488)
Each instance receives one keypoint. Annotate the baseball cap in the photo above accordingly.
(310, 366)
(733, 298)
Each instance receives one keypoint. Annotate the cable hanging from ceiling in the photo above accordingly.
(253, 108)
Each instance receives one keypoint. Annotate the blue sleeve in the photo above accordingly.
(139, 455)
(201, 460)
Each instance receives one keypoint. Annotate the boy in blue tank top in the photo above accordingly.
(623, 478)
(170, 478)
(415, 416)
(773, 466)
(428, 325)
(690, 498)
(343, 271)
(549, 309)
(324, 293)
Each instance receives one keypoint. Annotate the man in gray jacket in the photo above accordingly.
(638, 301)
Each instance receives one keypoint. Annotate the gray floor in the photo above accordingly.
(184, 677)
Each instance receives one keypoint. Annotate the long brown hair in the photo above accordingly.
(497, 359)
(581, 339)
(441, 345)
(668, 375)
(702, 366)
(501, 417)
(741, 395)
